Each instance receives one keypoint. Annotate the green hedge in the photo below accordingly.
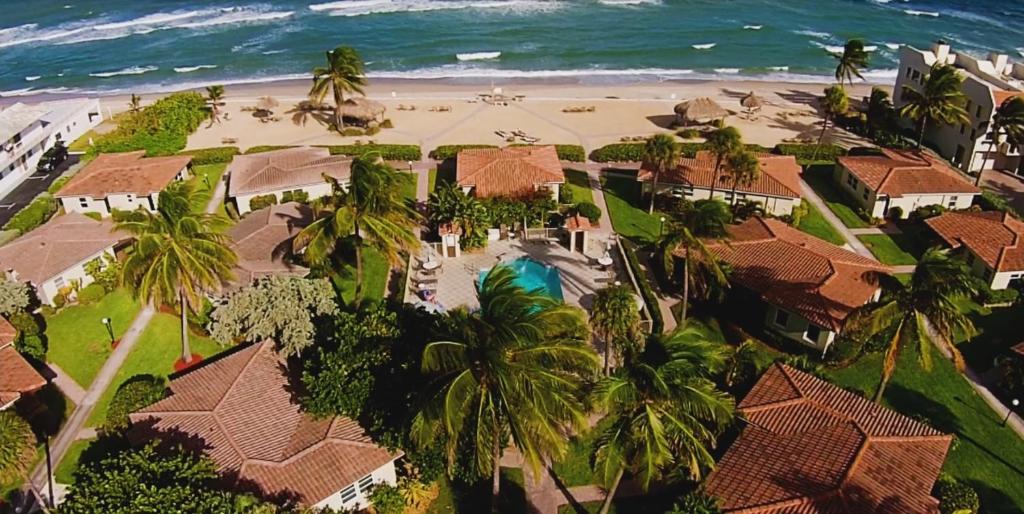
(137, 392)
(160, 129)
(956, 497)
(33, 214)
(634, 152)
(57, 184)
(267, 148)
(657, 322)
(260, 201)
(387, 152)
(218, 155)
(444, 152)
(805, 152)
(989, 201)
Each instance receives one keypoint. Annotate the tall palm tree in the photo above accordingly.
(616, 318)
(663, 411)
(660, 152)
(722, 143)
(879, 115)
(214, 97)
(920, 313)
(851, 61)
(707, 219)
(134, 103)
(514, 368)
(834, 103)
(343, 74)
(369, 211)
(941, 100)
(178, 255)
(1008, 121)
(744, 169)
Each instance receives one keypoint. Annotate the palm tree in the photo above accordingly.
(920, 313)
(707, 219)
(369, 211)
(344, 73)
(1008, 120)
(879, 115)
(663, 410)
(178, 255)
(661, 152)
(616, 317)
(214, 95)
(134, 103)
(722, 143)
(941, 100)
(744, 169)
(850, 62)
(514, 368)
(835, 103)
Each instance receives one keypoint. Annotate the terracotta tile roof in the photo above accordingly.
(995, 237)
(813, 448)
(59, 244)
(129, 172)
(263, 241)
(282, 170)
(240, 410)
(1000, 96)
(577, 222)
(798, 272)
(17, 376)
(899, 173)
(1018, 349)
(511, 171)
(780, 175)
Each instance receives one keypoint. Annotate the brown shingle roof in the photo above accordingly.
(56, 246)
(263, 241)
(241, 411)
(899, 173)
(995, 237)
(16, 375)
(511, 171)
(798, 272)
(291, 168)
(813, 448)
(780, 175)
(129, 172)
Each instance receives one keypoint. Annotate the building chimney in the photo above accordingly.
(998, 61)
(941, 50)
(12, 274)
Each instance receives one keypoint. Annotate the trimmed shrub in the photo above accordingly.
(258, 202)
(218, 155)
(33, 214)
(805, 152)
(31, 346)
(444, 152)
(688, 133)
(387, 499)
(657, 322)
(17, 446)
(387, 152)
(352, 132)
(267, 148)
(895, 212)
(159, 129)
(57, 184)
(91, 293)
(94, 215)
(619, 152)
(373, 130)
(589, 211)
(135, 393)
(989, 296)
(25, 323)
(956, 497)
(565, 195)
(924, 212)
(295, 196)
(989, 201)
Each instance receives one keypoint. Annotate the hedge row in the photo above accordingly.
(159, 129)
(387, 152)
(444, 152)
(267, 148)
(33, 214)
(218, 155)
(619, 152)
(989, 201)
(657, 322)
(807, 153)
(634, 152)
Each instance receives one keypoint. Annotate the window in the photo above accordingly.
(348, 494)
(781, 318)
(59, 282)
(84, 202)
(917, 74)
(365, 484)
(909, 71)
(852, 182)
(968, 106)
(952, 202)
(866, 193)
(977, 112)
(974, 134)
(813, 333)
(963, 129)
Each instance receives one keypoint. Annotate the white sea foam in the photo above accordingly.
(892, 46)
(912, 12)
(627, 2)
(870, 48)
(778, 68)
(131, 70)
(364, 7)
(33, 78)
(477, 56)
(236, 17)
(17, 92)
(350, 4)
(814, 33)
(273, 52)
(190, 69)
(1020, 51)
(753, 27)
(727, 71)
(704, 46)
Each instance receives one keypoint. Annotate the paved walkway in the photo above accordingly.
(66, 384)
(218, 196)
(851, 239)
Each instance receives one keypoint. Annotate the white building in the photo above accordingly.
(991, 242)
(124, 181)
(28, 131)
(902, 179)
(988, 82)
(290, 170)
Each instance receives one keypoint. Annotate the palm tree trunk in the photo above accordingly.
(607, 354)
(186, 352)
(881, 389)
(821, 137)
(991, 148)
(496, 473)
(686, 288)
(358, 293)
(654, 190)
(920, 135)
(611, 492)
(714, 179)
(339, 99)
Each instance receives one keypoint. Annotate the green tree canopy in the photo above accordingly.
(1007, 126)
(616, 318)
(851, 61)
(688, 229)
(17, 446)
(940, 100)
(722, 143)
(343, 74)
(14, 297)
(661, 153)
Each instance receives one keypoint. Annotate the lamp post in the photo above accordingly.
(661, 226)
(110, 329)
(410, 166)
(1009, 412)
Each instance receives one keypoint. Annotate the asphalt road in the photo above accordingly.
(29, 188)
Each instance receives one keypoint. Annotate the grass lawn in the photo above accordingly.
(431, 180)
(815, 224)
(208, 173)
(375, 277)
(819, 177)
(985, 455)
(575, 468)
(153, 354)
(629, 219)
(408, 189)
(78, 341)
(476, 499)
(66, 469)
(82, 143)
(887, 250)
(579, 183)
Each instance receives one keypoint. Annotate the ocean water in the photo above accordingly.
(86, 46)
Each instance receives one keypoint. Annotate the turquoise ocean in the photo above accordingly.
(120, 46)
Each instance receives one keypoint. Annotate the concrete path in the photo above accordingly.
(849, 236)
(594, 180)
(218, 196)
(72, 428)
(66, 384)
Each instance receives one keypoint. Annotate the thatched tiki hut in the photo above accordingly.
(752, 103)
(363, 110)
(699, 110)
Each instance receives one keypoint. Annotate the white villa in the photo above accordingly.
(28, 131)
(280, 171)
(988, 82)
(512, 171)
(124, 181)
(992, 243)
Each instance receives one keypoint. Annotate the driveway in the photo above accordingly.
(30, 188)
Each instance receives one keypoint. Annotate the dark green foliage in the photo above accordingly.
(956, 497)
(989, 201)
(697, 502)
(565, 195)
(895, 212)
(135, 393)
(925, 212)
(91, 293)
(57, 184)
(258, 202)
(25, 323)
(295, 196)
(688, 133)
(451, 151)
(589, 211)
(988, 296)
(387, 152)
(267, 148)
(619, 152)
(804, 153)
(160, 129)
(33, 214)
(31, 345)
(387, 499)
(844, 350)
(657, 322)
(105, 271)
(17, 446)
(217, 155)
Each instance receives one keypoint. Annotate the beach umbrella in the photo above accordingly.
(267, 103)
(752, 102)
(362, 109)
(699, 110)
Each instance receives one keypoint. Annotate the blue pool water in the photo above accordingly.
(531, 274)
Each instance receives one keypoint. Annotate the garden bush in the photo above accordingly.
(989, 201)
(57, 184)
(373, 130)
(25, 323)
(657, 322)
(17, 447)
(589, 211)
(33, 214)
(805, 152)
(135, 393)
(444, 152)
(565, 195)
(267, 148)
(619, 152)
(956, 497)
(989, 296)
(896, 213)
(352, 132)
(387, 499)
(93, 215)
(160, 129)
(295, 196)
(925, 212)
(32, 346)
(218, 155)
(387, 124)
(387, 152)
(258, 202)
(91, 293)
(688, 133)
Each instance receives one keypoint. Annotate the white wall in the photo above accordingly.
(314, 191)
(996, 281)
(796, 328)
(382, 475)
(120, 201)
(774, 205)
(876, 205)
(49, 289)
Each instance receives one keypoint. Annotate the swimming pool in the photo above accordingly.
(531, 274)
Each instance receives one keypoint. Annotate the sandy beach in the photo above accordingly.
(625, 110)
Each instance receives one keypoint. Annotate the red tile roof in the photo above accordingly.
(241, 411)
(129, 172)
(993, 236)
(1001, 96)
(813, 448)
(17, 376)
(797, 272)
(59, 244)
(780, 175)
(577, 222)
(290, 168)
(511, 171)
(1018, 349)
(899, 173)
(263, 241)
